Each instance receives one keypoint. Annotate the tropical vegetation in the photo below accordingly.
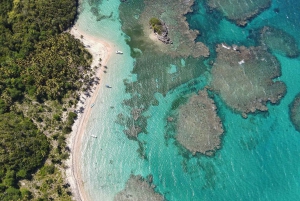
(156, 25)
(42, 70)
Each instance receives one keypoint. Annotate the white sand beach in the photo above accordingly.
(99, 49)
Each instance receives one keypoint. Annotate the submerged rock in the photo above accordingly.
(279, 41)
(244, 78)
(199, 128)
(295, 112)
(136, 113)
(133, 132)
(138, 189)
(240, 11)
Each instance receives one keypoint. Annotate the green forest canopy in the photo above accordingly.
(25, 146)
(37, 62)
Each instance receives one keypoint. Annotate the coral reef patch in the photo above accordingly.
(279, 41)
(295, 112)
(198, 126)
(239, 11)
(137, 188)
(244, 78)
(159, 68)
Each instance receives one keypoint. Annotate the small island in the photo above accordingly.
(160, 29)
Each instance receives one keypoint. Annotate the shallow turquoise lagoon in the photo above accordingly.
(259, 157)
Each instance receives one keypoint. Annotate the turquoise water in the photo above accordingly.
(259, 155)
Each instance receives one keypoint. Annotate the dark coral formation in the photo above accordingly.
(136, 113)
(133, 124)
(240, 11)
(138, 189)
(279, 41)
(95, 10)
(244, 78)
(199, 128)
(295, 112)
(157, 78)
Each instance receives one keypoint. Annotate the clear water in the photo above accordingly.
(259, 155)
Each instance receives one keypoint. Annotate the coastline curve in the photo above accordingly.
(99, 49)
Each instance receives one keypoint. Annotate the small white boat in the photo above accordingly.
(107, 86)
(119, 52)
(94, 136)
(92, 105)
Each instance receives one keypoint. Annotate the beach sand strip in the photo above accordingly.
(99, 49)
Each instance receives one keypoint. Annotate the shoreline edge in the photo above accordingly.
(98, 49)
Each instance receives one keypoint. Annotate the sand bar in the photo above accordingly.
(99, 49)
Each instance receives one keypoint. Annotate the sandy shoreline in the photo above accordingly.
(99, 49)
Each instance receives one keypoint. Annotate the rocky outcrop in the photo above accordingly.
(163, 36)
